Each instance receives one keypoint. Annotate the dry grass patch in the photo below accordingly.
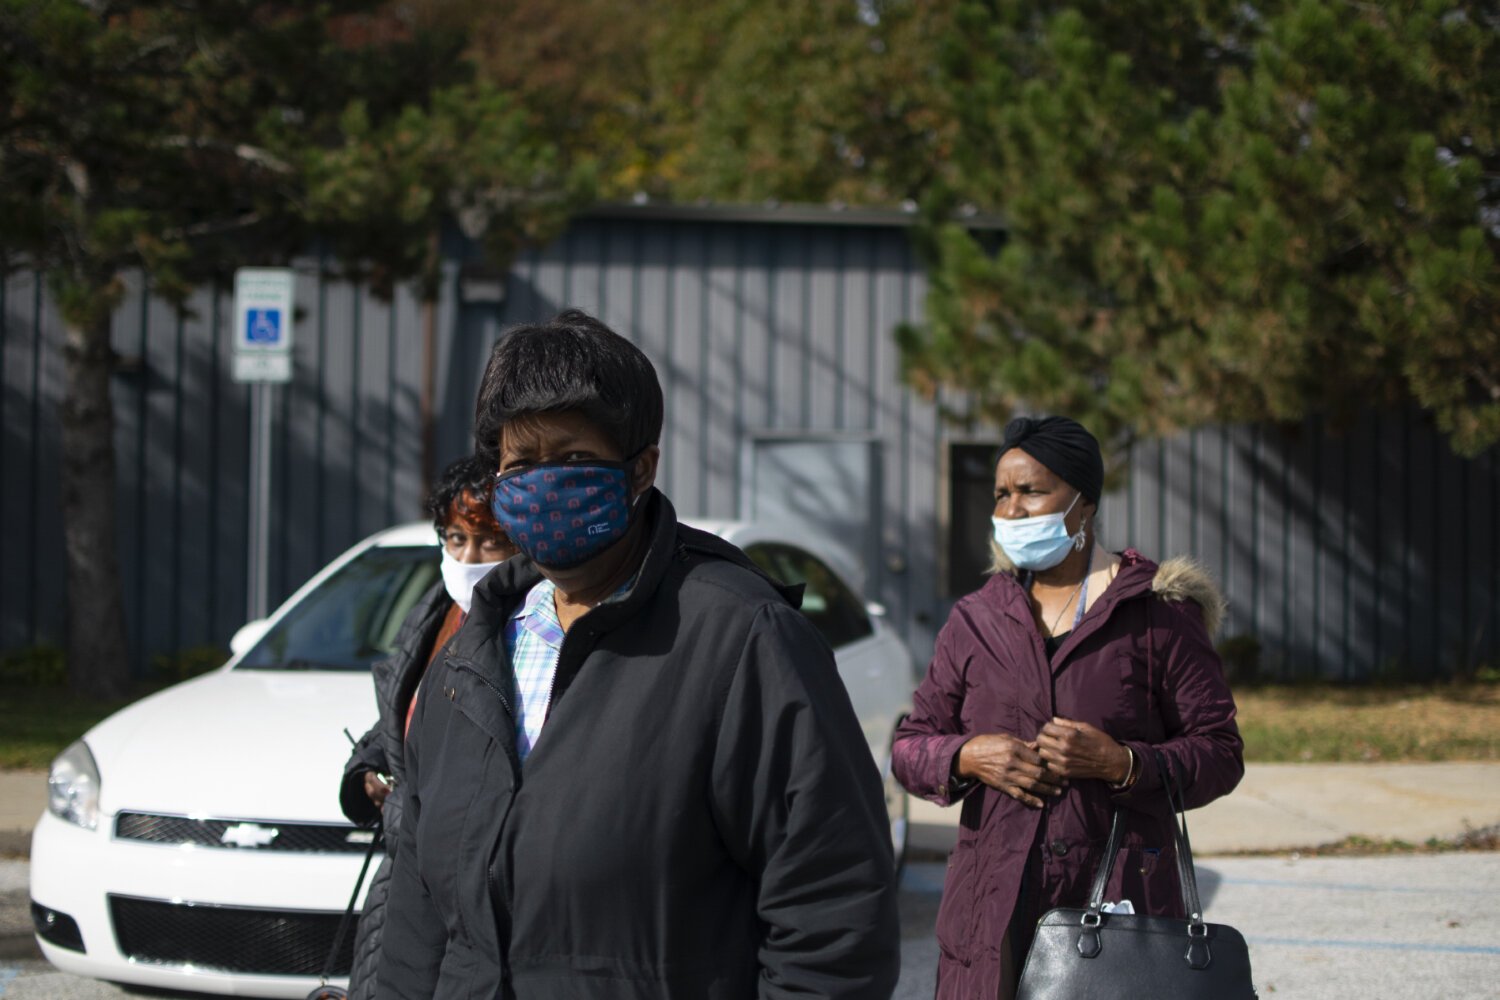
(1486, 839)
(1324, 722)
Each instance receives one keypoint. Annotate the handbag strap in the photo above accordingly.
(1199, 953)
(1187, 876)
(338, 937)
(1107, 863)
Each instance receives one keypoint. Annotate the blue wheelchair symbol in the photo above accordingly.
(263, 326)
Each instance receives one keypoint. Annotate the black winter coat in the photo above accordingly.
(383, 750)
(700, 818)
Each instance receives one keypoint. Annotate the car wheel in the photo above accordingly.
(897, 808)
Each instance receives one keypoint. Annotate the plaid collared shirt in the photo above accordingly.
(534, 638)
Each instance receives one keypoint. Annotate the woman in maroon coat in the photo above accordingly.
(1050, 691)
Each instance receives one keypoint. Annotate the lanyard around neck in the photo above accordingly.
(1083, 587)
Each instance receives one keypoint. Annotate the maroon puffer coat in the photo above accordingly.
(1141, 667)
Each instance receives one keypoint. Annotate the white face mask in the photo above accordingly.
(460, 578)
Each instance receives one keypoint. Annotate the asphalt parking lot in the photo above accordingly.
(1413, 927)
(1404, 927)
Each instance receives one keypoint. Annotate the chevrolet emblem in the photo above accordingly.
(249, 835)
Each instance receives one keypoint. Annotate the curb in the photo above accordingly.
(15, 843)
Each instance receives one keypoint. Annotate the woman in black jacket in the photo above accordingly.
(373, 783)
(634, 773)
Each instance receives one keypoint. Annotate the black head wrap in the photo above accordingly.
(1063, 446)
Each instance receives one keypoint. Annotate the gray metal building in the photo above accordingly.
(1346, 553)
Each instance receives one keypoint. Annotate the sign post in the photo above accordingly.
(263, 314)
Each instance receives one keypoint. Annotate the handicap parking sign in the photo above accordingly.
(263, 326)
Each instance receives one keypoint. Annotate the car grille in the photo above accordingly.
(229, 938)
(303, 838)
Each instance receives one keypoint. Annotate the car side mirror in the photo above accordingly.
(248, 635)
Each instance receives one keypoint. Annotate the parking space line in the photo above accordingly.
(1278, 883)
(1454, 949)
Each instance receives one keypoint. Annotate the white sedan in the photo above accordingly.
(194, 841)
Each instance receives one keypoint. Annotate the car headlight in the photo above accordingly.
(73, 787)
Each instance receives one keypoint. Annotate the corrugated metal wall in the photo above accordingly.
(345, 456)
(1349, 552)
(1343, 554)
(754, 328)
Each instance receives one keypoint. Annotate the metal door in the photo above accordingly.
(826, 486)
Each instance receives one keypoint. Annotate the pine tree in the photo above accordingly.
(185, 138)
(1221, 211)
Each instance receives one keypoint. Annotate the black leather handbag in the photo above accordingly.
(1092, 955)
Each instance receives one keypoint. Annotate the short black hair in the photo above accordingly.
(473, 475)
(571, 362)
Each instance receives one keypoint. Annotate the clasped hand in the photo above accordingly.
(376, 789)
(1028, 770)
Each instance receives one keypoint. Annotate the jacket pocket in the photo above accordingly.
(955, 919)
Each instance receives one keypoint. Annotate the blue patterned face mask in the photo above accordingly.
(565, 514)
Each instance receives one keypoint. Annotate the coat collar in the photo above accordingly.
(1133, 580)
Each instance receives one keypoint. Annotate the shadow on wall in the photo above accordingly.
(1353, 553)
(344, 463)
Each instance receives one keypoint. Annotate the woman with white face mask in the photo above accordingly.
(1051, 691)
(473, 543)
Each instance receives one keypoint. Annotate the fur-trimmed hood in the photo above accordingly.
(1180, 578)
(1183, 578)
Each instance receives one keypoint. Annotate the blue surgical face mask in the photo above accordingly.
(563, 515)
(1038, 542)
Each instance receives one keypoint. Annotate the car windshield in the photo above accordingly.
(351, 619)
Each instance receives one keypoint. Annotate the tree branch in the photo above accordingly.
(1486, 381)
(78, 176)
(212, 228)
(242, 151)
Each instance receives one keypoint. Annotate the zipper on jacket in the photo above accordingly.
(592, 633)
(556, 673)
(492, 875)
(510, 744)
(493, 878)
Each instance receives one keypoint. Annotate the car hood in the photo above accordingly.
(235, 744)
